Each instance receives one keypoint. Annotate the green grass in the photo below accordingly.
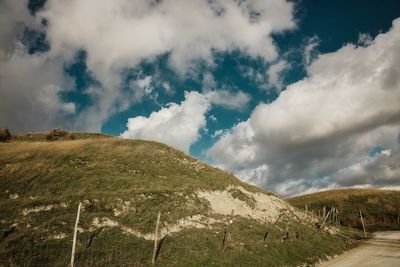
(104, 173)
(249, 200)
(190, 247)
(380, 208)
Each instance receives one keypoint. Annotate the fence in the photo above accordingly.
(47, 240)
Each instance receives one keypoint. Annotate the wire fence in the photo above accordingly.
(44, 237)
(39, 239)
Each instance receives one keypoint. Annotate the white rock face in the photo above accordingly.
(266, 207)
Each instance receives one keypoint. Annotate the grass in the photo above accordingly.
(190, 247)
(105, 164)
(249, 200)
(109, 174)
(380, 208)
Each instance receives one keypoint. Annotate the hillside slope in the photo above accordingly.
(122, 185)
(380, 208)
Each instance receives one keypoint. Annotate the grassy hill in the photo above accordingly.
(122, 185)
(380, 208)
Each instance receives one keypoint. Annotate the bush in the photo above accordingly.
(55, 134)
(71, 136)
(5, 135)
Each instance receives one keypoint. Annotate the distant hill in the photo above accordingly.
(122, 185)
(380, 208)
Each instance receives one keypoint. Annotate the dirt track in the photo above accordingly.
(382, 250)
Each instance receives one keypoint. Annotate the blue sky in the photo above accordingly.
(134, 67)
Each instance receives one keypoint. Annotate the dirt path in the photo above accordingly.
(382, 250)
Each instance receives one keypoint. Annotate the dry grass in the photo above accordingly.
(381, 208)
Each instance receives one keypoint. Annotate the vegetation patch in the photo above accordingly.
(5, 135)
(380, 208)
(238, 194)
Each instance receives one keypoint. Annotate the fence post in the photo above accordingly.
(75, 233)
(226, 232)
(306, 208)
(153, 260)
(362, 222)
(337, 217)
(326, 217)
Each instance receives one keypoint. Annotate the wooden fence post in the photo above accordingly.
(326, 217)
(324, 212)
(153, 260)
(337, 217)
(334, 216)
(362, 222)
(272, 226)
(75, 233)
(306, 208)
(226, 232)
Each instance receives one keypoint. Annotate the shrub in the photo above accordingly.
(71, 136)
(55, 134)
(5, 135)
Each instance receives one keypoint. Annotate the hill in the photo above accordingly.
(380, 208)
(122, 185)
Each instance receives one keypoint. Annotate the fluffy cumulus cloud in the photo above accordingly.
(119, 35)
(176, 125)
(321, 130)
(179, 125)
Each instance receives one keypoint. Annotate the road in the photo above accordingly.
(382, 250)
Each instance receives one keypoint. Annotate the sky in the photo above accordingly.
(291, 96)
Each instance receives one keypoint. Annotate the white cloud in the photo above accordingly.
(145, 84)
(235, 150)
(122, 33)
(179, 125)
(29, 93)
(223, 97)
(219, 133)
(212, 118)
(256, 175)
(118, 35)
(364, 39)
(231, 100)
(274, 74)
(310, 50)
(175, 125)
(167, 88)
(208, 82)
(349, 104)
(386, 152)
(30, 84)
(13, 17)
